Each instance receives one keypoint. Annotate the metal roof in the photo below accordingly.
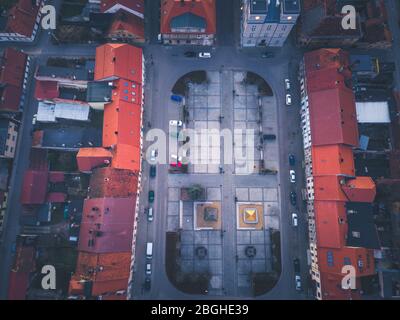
(373, 112)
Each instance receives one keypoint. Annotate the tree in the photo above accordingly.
(196, 192)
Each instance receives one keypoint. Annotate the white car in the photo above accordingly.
(292, 174)
(34, 119)
(153, 155)
(287, 84)
(298, 282)
(148, 268)
(175, 157)
(175, 123)
(205, 55)
(295, 221)
(288, 100)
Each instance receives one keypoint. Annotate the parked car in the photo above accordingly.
(205, 55)
(176, 123)
(295, 221)
(292, 160)
(153, 171)
(288, 100)
(176, 98)
(297, 279)
(293, 198)
(296, 265)
(147, 283)
(159, 38)
(151, 196)
(34, 119)
(190, 54)
(150, 216)
(287, 84)
(292, 174)
(148, 269)
(269, 137)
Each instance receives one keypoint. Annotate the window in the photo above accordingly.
(329, 258)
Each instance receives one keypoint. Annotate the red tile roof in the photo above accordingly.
(118, 61)
(202, 8)
(18, 285)
(109, 272)
(334, 132)
(12, 71)
(113, 183)
(34, 188)
(333, 117)
(107, 225)
(12, 67)
(125, 24)
(22, 18)
(46, 90)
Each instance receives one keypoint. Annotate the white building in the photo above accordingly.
(268, 22)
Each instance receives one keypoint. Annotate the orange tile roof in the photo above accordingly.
(89, 158)
(328, 188)
(331, 223)
(118, 61)
(126, 157)
(122, 124)
(174, 8)
(360, 189)
(333, 160)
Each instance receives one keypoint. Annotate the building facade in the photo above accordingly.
(268, 22)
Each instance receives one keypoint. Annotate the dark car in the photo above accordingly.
(293, 198)
(292, 160)
(269, 137)
(151, 196)
(190, 54)
(153, 171)
(147, 283)
(296, 265)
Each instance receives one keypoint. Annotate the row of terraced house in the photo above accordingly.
(342, 233)
(108, 228)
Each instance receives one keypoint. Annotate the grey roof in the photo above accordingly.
(188, 20)
(291, 6)
(3, 135)
(71, 137)
(361, 227)
(99, 91)
(61, 72)
(258, 6)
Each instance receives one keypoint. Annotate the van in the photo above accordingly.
(149, 250)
